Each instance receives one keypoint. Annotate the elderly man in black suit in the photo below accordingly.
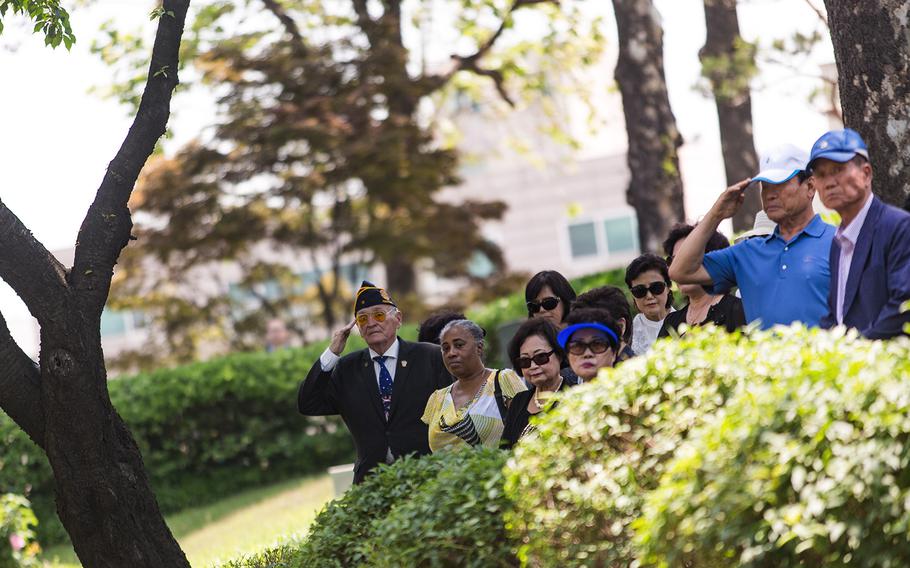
(380, 392)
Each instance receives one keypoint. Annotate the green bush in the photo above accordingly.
(579, 483)
(498, 313)
(453, 519)
(18, 547)
(282, 556)
(439, 510)
(204, 430)
(808, 467)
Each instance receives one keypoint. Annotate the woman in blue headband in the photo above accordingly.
(591, 341)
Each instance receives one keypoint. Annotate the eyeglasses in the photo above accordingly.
(547, 304)
(597, 346)
(656, 288)
(539, 359)
(378, 317)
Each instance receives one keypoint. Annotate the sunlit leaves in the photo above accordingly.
(50, 19)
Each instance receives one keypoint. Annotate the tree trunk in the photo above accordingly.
(401, 277)
(655, 189)
(728, 63)
(872, 51)
(103, 494)
(104, 498)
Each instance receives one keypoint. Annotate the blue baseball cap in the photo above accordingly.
(566, 334)
(838, 146)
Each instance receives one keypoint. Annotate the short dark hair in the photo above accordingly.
(541, 327)
(557, 282)
(680, 231)
(429, 329)
(648, 262)
(611, 299)
(595, 315)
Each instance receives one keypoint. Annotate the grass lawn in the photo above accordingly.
(240, 524)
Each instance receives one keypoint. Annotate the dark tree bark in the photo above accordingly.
(103, 494)
(655, 189)
(872, 51)
(728, 63)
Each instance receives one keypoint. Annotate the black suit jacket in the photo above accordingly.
(351, 389)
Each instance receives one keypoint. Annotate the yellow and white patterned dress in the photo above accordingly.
(477, 423)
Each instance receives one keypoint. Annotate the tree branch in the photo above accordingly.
(29, 268)
(818, 12)
(471, 62)
(289, 24)
(363, 15)
(107, 225)
(20, 387)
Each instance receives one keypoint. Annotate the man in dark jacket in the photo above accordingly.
(380, 392)
(870, 255)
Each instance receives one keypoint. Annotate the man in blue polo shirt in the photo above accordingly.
(783, 277)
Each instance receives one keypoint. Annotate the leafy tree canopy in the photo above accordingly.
(327, 145)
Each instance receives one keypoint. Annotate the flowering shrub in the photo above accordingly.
(18, 547)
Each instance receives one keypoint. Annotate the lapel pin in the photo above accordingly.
(404, 363)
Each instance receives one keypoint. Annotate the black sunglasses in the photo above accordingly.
(547, 304)
(597, 346)
(655, 288)
(539, 359)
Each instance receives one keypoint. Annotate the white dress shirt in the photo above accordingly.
(846, 237)
(328, 360)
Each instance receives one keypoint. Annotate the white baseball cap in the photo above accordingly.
(763, 226)
(782, 163)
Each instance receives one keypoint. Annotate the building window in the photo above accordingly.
(622, 235)
(583, 239)
(480, 265)
(113, 323)
(603, 237)
(117, 323)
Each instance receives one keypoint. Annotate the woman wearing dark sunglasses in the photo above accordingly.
(648, 278)
(536, 354)
(549, 295)
(591, 341)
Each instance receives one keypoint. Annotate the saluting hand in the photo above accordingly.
(730, 200)
(340, 338)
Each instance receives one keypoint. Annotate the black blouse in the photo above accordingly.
(728, 312)
(517, 419)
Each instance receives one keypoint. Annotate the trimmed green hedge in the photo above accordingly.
(205, 430)
(809, 467)
(440, 510)
(784, 448)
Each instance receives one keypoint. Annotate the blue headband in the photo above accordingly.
(564, 335)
